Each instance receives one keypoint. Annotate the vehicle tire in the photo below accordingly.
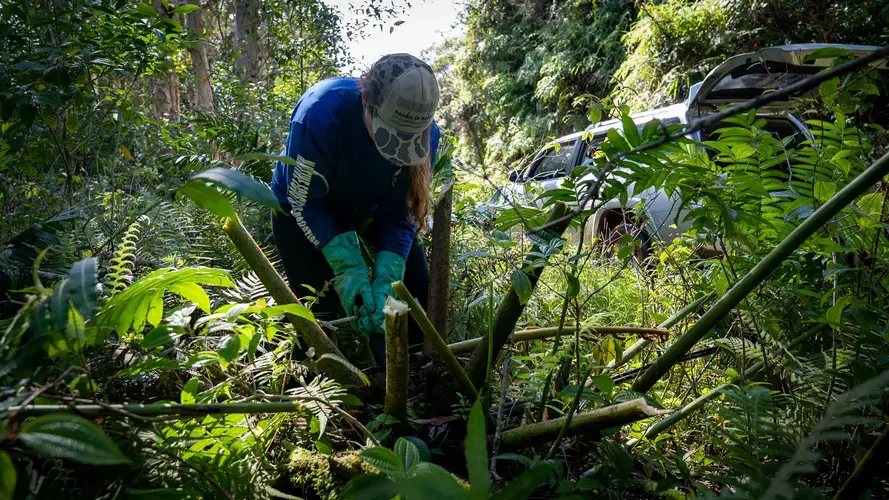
(611, 237)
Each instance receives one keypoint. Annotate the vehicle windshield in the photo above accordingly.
(750, 81)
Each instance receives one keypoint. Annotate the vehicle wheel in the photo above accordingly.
(612, 236)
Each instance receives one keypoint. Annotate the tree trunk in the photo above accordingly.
(247, 38)
(165, 81)
(202, 90)
(440, 266)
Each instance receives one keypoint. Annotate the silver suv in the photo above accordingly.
(737, 79)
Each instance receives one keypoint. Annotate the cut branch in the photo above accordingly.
(510, 309)
(432, 335)
(602, 418)
(395, 313)
(308, 330)
(552, 331)
(641, 344)
(761, 271)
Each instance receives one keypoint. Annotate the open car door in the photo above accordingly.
(749, 75)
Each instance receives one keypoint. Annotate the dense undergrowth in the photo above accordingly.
(121, 288)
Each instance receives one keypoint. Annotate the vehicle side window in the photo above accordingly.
(555, 163)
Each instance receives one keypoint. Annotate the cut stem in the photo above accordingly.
(670, 322)
(432, 335)
(552, 331)
(395, 314)
(601, 418)
(308, 331)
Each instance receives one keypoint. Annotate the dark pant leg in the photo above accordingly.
(416, 280)
(305, 265)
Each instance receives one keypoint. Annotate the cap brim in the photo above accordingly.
(401, 148)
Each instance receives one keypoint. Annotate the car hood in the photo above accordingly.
(745, 76)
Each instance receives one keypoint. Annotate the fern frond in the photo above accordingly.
(120, 273)
(845, 412)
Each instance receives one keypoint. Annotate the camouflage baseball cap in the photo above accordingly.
(403, 95)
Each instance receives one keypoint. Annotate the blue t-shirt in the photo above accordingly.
(340, 179)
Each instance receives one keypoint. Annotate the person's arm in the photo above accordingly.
(311, 144)
(308, 145)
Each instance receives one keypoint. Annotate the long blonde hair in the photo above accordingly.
(419, 193)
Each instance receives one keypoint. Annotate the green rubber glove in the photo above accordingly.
(388, 269)
(351, 280)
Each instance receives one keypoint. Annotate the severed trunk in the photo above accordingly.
(440, 265)
(601, 418)
(165, 80)
(308, 330)
(202, 89)
(397, 372)
(246, 44)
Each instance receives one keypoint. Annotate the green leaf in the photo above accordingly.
(297, 309)
(383, 459)
(189, 392)
(7, 476)
(202, 359)
(408, 453)
(162, 335)
(369, 487)
(208, 198)
(230, 347)
(59, 305)
(431, 482)
(83, 288)
(824, 190)
(186, 9)
(604, 383)
(477, 453)
(422, 448)
(834, 315)
(146, 10)
(71, 437)
(522, 286)
(331, 357)
(524, 485)
(49, 97)
(265, 156)
(133, 307)
(826, 53)
(243, 185)
(194, 293)
(573, 286)
(631, 133)
(829, 90)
